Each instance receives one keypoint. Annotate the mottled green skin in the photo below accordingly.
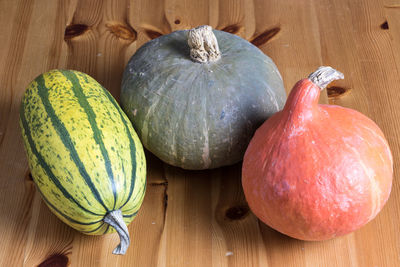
(200, 115)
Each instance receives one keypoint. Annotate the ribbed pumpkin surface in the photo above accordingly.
(84, 155)
(199, 115)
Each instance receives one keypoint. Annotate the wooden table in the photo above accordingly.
(195, 218)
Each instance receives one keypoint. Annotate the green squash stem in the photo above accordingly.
(115, 219)
(203, 45)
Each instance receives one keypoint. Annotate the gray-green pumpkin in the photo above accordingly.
(197, 96)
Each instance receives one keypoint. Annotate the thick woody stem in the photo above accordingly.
(115, 219)
(203, 44)
(325, 75)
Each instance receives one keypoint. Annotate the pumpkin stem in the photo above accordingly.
(203, 44)
(325, 75)
(115, 219)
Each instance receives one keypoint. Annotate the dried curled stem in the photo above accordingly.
(203, 44)
(115, 219)
(325, 75)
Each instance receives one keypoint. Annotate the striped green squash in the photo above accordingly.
(84, 155)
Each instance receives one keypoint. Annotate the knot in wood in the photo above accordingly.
(122, 31)
(75, 30)
(55, 260)
(237, 212)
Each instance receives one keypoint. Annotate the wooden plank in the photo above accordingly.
(194, 218)
(27, 36)
(363, 50)
(289, 33)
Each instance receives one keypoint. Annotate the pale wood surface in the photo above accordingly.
(195, 218)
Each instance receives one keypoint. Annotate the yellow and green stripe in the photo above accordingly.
(65, 137)
(84, 155)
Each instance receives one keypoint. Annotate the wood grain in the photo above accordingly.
(195, 218)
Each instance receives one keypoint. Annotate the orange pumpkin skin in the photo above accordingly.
(314, 171)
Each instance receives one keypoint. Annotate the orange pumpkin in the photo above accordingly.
(315, 171)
